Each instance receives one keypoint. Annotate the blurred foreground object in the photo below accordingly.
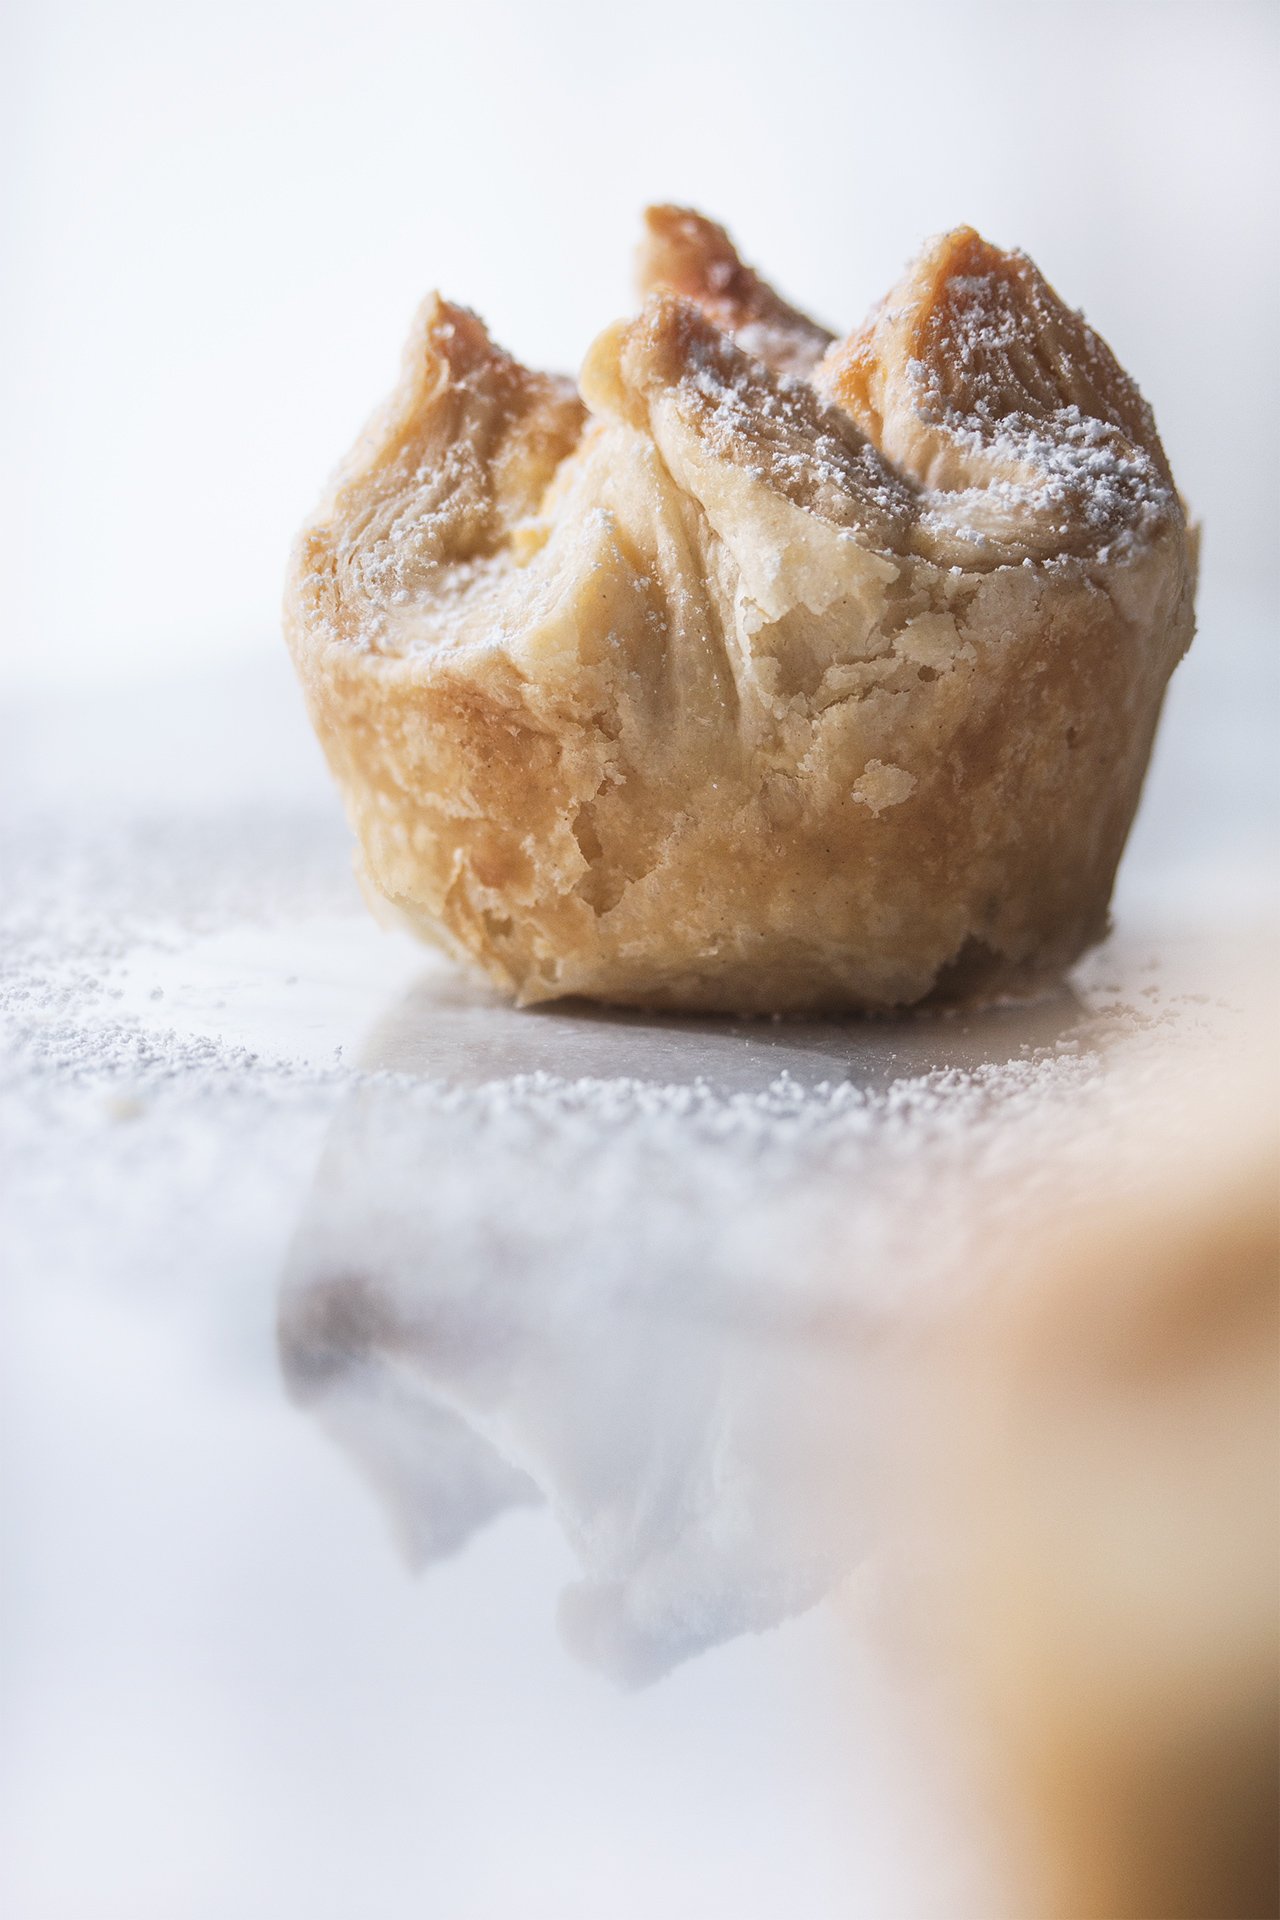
(773, 674)
(1120, 1589)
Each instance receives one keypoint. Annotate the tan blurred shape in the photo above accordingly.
(1119, 1536)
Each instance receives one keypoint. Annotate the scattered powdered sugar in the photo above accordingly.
(783, 431)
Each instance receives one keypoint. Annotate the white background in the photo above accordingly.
(219, 220)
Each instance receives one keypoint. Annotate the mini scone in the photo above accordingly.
(770, 673)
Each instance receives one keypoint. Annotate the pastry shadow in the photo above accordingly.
(448, 1027)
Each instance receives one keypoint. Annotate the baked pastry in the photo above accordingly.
(772, 673)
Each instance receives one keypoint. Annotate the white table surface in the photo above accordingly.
(448, 1452)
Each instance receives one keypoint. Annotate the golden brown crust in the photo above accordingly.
(736, 690)
(684, 253)
(976, 380)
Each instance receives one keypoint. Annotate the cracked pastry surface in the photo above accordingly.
(765, 672)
